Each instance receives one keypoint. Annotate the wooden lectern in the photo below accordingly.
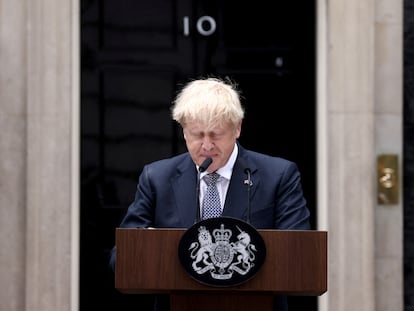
(147, 262)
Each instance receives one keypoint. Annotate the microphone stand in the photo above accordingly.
(206, 163)
(249, 185)
(198, 217)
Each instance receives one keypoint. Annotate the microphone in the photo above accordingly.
(206, 163)
(249, 184)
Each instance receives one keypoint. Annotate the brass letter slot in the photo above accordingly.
(387, 174)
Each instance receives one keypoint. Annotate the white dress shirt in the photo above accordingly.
(224, 180)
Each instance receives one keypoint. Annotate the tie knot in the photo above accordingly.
(211, 179)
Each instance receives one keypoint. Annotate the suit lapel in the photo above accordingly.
(236, 201)
(237, 196)
(184, 188)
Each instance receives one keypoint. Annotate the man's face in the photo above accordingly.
(216, 142)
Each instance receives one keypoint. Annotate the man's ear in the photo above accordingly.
(238, 129)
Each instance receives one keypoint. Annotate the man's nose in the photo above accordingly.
(207, 143)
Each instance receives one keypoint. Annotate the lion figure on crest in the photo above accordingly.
(202, 250)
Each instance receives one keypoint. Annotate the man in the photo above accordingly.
(210, 114)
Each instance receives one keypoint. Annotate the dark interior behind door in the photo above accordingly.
(134, 57)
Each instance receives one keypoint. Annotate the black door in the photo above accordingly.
(135, 55)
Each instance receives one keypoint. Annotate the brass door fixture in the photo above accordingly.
(387, 174)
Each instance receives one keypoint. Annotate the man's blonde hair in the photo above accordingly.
(209, 101)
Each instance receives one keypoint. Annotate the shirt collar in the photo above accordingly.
(227, 169)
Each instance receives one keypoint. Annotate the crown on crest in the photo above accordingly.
(222, 235)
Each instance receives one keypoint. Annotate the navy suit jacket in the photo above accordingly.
(166, 194)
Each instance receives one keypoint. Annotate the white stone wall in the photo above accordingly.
(388, 140)
(13, 148)
(39, 182)
(359, 117)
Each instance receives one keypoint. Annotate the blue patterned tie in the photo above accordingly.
(211, 201)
